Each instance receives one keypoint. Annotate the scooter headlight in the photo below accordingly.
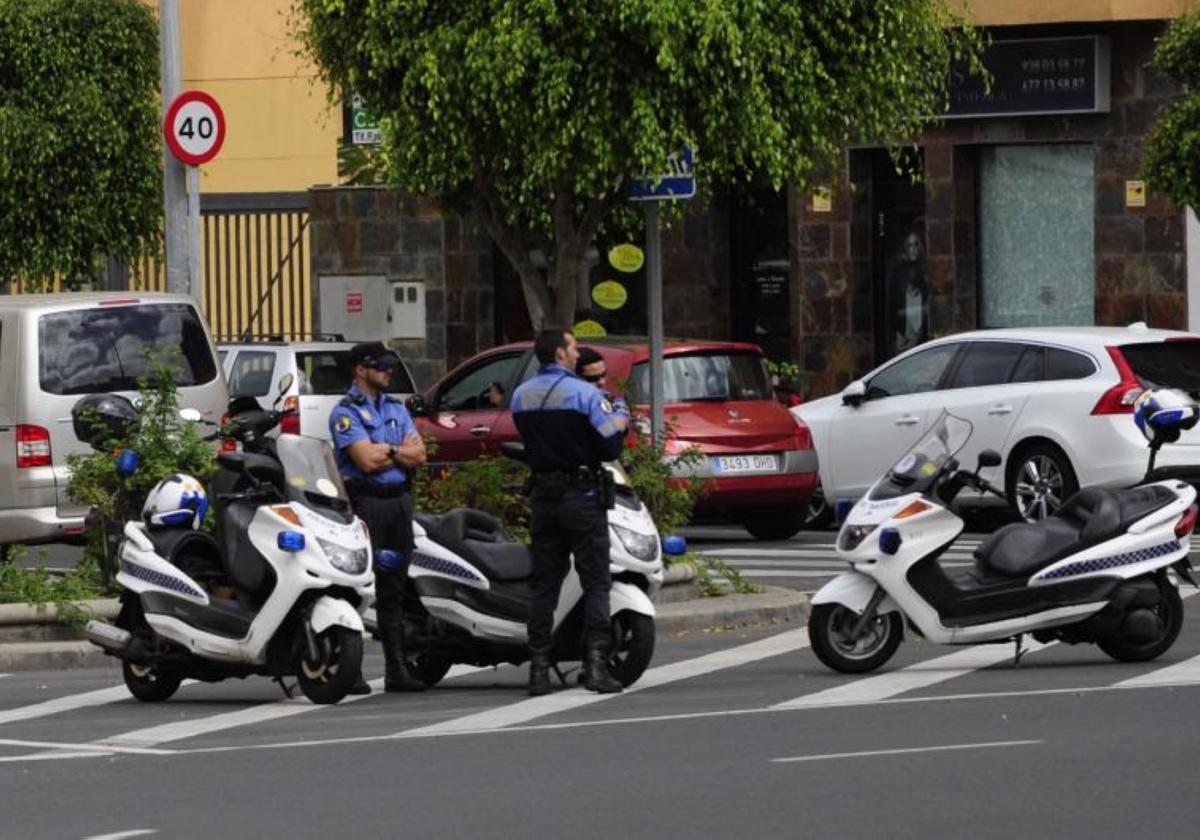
(352, 561)
(642, 546)
(853, 535)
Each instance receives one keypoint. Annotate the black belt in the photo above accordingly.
(586, 475)
(373, 490)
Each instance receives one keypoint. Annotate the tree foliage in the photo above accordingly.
(80, 171)
(531, 115)
(1172, 162)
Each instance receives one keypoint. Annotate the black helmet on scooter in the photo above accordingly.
(99, 419)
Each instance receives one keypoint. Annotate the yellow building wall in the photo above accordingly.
(1015, 12)
(281, 134)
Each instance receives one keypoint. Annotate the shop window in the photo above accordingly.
(1036, 235)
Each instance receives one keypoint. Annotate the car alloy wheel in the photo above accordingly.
(1040, 488)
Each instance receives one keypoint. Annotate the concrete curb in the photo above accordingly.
(773, 605)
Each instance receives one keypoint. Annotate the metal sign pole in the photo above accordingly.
(655, 307)
(175, 203)
(195, 276)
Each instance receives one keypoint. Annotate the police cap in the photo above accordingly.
(372, 354)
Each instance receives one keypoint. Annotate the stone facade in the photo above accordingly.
(362, 230)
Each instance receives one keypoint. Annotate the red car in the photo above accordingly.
(759, 460)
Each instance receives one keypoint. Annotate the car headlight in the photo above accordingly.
(853, 535)
(642, 546)
(352, 561)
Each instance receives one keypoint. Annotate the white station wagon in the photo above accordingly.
(1056, 403)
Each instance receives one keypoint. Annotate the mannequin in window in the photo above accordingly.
(908, 291)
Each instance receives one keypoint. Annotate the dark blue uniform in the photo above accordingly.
(380, 499)
(569, 427)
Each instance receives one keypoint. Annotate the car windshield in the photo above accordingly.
(327, 373)
(1166, 364)
(108, 348)
(706, 377)
(919, 468)
(310, 472)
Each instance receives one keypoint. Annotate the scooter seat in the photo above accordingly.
(1090, 517)
(481, 540)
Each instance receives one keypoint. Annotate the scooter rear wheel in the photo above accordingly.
(1169, 611)
(330, 678)
(829, 631)
(149, 683)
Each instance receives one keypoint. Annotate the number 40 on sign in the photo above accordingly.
(194, 128)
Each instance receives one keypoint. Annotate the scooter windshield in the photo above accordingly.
(920, 467)
(310, 472)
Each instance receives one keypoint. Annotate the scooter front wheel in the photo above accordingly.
(831, 629)
(329, 676)
(632, 646)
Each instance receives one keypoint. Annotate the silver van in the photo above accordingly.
(55, 348)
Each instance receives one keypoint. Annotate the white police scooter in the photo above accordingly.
(1095, 572)
(277, 592)
(468, 596)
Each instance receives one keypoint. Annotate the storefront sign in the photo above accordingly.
(1036, 76)
(822, 199)
(626, 258)
(1135, 194)
(610, 294)
(354, 302)
(364, 124)
(589, 329)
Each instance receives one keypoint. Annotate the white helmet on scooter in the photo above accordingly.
(176, 501)
(1162, 413)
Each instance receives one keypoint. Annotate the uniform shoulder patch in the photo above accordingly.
(606, 406)
(343, 423)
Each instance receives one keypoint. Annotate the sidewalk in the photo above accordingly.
(24, 645)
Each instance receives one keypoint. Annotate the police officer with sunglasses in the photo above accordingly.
(377, 446)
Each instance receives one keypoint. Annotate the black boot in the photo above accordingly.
(539, 673)
(596, 676)
(396, 676)
(360, 687)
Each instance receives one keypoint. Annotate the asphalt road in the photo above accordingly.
(729, 734)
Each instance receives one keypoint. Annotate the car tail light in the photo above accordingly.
(289, 423)
(228, 444)
(33, 447)
(1119, 398)
(1186, 523)
(803, 434)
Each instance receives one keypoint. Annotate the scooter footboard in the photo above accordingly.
(626, 596)
(853, 590)
(328, 612)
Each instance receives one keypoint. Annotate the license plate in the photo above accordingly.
(727, 464)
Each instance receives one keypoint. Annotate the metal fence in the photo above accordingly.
(255, 258)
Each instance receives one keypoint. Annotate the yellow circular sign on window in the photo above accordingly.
(626, 258)
(589, 329)
(610, 294)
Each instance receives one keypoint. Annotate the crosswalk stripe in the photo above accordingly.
(536, 707)
(813, 562)
(921, 675)
(1180, 673)
(64, 704)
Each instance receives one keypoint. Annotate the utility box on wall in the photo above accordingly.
(370, 307)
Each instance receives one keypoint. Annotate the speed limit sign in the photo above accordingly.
(194, 127)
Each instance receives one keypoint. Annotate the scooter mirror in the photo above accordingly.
(988, 458)
(417, 406)
(285, 385)
(674, 545)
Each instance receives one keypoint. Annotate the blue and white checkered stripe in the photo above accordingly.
(444, 567)
(1100, 564)
(159, 579)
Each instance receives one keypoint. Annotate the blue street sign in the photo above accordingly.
(679, 181)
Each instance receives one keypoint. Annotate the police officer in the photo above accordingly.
(377, 445)
(569, 428)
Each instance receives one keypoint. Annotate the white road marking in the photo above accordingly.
(921, 675)
(801, 553)
(535, 707)
(1181, 673)
(908, 751)
(102, 750)
(65, 704)
(122, 835)
(832, 562)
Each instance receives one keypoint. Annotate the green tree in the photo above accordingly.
(531, 115)
(80, 170)
(1172, 162)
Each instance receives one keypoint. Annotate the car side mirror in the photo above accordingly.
(988, 458)
(854, 393)
(417, 406)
